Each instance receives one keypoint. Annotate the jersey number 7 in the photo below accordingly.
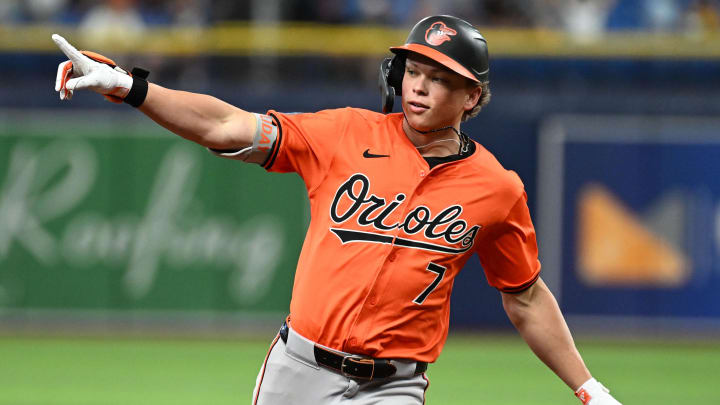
(435, 268)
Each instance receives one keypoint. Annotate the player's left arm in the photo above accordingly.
(537, 317)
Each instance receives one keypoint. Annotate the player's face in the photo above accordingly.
(433, 96)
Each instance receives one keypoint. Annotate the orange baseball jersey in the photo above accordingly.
(388, 234)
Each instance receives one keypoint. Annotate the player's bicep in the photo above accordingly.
(250, 149)
(535, 302)
(513, 302)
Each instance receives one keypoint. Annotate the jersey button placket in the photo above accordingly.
(368, 310)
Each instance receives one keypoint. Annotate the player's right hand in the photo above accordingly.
(88, 70)
(594, 393)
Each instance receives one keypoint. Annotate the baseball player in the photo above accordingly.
(399, 202)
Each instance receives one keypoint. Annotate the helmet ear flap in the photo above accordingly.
(390, 81)
(397, 71)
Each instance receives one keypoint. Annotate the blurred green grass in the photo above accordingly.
(472, 370)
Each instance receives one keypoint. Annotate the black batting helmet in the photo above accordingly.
(448, 40)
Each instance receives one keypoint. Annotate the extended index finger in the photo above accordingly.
(75, 56)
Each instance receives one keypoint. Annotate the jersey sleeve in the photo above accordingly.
(307, 143)
(509, 253)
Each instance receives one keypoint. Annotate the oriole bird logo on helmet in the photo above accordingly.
(439, 33)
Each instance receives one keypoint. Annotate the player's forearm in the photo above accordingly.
(200, 118)
(537, 317)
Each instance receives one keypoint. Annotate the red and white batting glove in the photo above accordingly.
(594, 393)
(92, 71)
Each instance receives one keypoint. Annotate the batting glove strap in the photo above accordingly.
(138, 91)
(594, 393)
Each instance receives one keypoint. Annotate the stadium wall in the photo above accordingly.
(49, 143)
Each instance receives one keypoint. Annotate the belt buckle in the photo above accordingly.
(357, 359)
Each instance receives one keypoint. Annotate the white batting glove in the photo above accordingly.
(89, 70)
(594, 393)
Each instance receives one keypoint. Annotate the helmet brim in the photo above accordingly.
(438, 57)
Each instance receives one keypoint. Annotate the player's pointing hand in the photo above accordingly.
(89, 70)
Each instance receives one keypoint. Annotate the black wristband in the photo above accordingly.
(138, 92)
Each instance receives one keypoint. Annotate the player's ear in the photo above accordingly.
(472, 97)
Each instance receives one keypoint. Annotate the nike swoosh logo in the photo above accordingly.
(367, 154)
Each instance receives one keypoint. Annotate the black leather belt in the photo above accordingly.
(365, 368)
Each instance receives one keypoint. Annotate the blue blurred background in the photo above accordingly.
(606, 109)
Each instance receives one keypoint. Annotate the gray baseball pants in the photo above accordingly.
(290, 375)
